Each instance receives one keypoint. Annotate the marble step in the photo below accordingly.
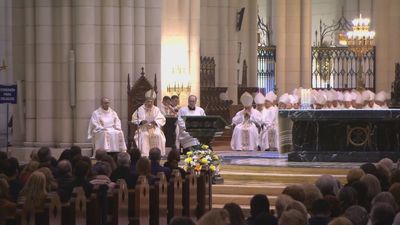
(248, 189)
(242, 200)
(273, 177)
(282, 169)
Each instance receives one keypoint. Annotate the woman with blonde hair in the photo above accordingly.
(34, 191)
(51, 183)
(215, 217)
(27, 171)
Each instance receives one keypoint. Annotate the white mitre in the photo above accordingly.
(340, 96)
(284, 98)
(270, 96)
(293, 99)
(380, 96)
(359, 99)
(259, 98)
(347, 96)
(320, 98)
(246, 99)
(150, 94)
(368, 95)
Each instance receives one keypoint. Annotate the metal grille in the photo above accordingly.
(266, 67)
(337, 67)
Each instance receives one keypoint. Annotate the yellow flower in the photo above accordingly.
(212, 168)
(188, 160)
(216, 157)
(189, 153)
(204, 147)
(204, 161)
(198, 167)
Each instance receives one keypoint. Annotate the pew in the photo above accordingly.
(190, 196)
(120, 209)
(175, 195)
(142, 215)
(158, 201)
(204, 197)
(79, 206)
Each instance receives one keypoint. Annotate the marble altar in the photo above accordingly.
(344, 135)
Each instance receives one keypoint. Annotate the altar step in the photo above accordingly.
(241, 183)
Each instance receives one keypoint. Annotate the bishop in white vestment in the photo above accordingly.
(105, 129)
(245, 134)
(150, 120)
(270, 132)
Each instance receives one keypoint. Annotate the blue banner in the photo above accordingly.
(8, 94)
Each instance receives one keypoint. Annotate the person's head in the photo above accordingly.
(354, 174)
(395, 191)
(347, 197)
(173, 155)
(385, 197)
(340, 221)
(105, 103)
(299, 206)
(150, 96)
(111, 162)
(44, 154)
(357, 215)
(395, 176)
(374, 187)
(296, 192)
(292, 217)
(124, 159)
(368, 168)
(362, 193)
(65, 155)
(155, 154)
(312, 193)
(10, 168)
(166, 100)
(102, 168)
(75, 150)
(320, 208)
(143, 166)
(50, 181)
(148, 103)
(35, 189)
(34, 155)
(135, 155)
(259, 203)
(81, 170)
(327, 184)
(100, 153)
(382, 214)
(282, 201)
(64, 167)
(174, 100)
(192, 100)
(181, 220)
(30, 167)
(215, 217)
(235, 213)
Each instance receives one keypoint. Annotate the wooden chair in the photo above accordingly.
(175, 195)
(136, 98)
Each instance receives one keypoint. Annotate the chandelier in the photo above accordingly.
(360, 41)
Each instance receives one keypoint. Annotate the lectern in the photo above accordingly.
(204, 128)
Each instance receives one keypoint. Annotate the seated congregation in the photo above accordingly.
(138, 190)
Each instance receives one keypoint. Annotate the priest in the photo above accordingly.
(105, 129)
(269, 134)
(150, 121)
(246, 121)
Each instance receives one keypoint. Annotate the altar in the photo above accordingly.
(344, 135)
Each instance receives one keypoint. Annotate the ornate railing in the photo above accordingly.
(337, 67)
(266, 59)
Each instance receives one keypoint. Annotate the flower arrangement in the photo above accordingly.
(197, 158)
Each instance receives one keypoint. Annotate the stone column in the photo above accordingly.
(252, 42)
(305, 45)
(44, 56)
(153, 43)
(64, 111)
(293, 54)
(30, 71)
(139, 38)
(235, 67)
(394, 37)
(280, 37)
(126, 55)
(84, 29)
(222, 62)
(107, 49)
(194, 46)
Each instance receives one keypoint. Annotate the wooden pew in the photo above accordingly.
(120, 204)
(158, 201)
(79, 207)
(175, 195)
(204, 197)
(50, 214)
(142, 214)
(190, 196)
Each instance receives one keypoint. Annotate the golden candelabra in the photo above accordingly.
(360, 41)
(179, 88)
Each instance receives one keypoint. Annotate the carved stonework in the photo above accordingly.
(396, 87)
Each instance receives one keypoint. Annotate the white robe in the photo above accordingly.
(185, 139)
(245, 134)
(105, 131)
(148, 135)
(269, 133)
